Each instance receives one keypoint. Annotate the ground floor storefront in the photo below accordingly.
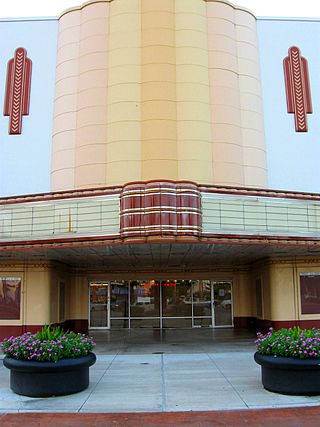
(271, 292)
(159, 255)
(160, 304)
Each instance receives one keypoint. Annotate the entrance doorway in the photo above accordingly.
(99, 305)
(161, 304)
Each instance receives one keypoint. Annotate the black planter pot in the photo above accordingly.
(288, 375)
(44, 379)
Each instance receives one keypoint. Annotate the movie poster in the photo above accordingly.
(10, 297)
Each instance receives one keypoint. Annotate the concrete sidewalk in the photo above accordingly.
(181, 371)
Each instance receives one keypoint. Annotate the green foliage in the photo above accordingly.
(292, 342)
(49, 333)
(48, 345)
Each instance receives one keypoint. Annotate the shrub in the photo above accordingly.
(48, 345)
(292, 342)
(50, 333)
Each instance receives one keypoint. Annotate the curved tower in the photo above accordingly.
(157, 89)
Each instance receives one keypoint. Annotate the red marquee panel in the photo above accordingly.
(297, 88)
(160, 208)
(17, 96)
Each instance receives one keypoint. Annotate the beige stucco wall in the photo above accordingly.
(79, 303)
(282, 292)
(239, 156)
(151, 89)
(79, 155)
(40, 292)
(281, 288)
(243, 295)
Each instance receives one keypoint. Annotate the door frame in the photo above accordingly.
(214, 326)
(107, 282)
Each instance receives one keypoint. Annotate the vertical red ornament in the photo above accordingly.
(297, 88)
(17, 96)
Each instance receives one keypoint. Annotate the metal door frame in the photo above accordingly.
(108, 305)
(213, 281)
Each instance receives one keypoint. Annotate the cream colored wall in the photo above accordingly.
(192, 88)
(239, 156)
(79, 155)
(244, 303)
(157, 89)
(91, 130)
(79, 303)
(40, 292)
(124, 93)
(279, 290)
(65, 104)
(57, 276)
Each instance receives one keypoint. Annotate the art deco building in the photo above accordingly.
(159, 168)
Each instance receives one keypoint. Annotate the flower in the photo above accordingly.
(48, 345)
(291, 342)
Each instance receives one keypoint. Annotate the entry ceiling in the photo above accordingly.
(159, 256)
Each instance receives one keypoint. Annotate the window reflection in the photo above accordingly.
(145, 298)
(119, 299)
(176, 298)
(99, 305)
(165, 303)
(202, 298)
(222, 304)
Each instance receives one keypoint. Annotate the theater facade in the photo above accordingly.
(159, 168)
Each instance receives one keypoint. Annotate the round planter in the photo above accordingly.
(44, 379)
(288, 375)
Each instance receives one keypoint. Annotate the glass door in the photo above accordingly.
(176, 303)
(202, 303)
(145, 304)
(223, 315)
(99, 305)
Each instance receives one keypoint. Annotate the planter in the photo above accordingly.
(44, 379)
(288, 375)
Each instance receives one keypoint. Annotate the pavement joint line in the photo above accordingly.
(93, 388)
(163, 386)
(228, 381)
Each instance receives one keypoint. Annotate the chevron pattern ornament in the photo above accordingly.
(17, 95)
(297, 84)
